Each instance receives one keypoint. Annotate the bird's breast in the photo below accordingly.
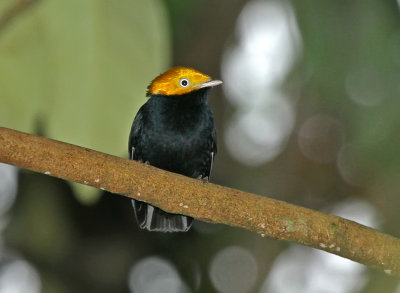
(179, 142)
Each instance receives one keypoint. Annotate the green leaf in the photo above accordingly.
(82, 68)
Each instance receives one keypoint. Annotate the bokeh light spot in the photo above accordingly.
(19, 276)
(154, 274)
(8, 186)
(258, 135)
(350, 165)
(233, 270)
(320, 138)
(253, 69)
(366, 86)
(305, 270)
(359, 211)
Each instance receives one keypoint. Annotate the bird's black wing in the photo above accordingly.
(213, 142)
(136, 130)
(134, 150)
(150, 217)
(207, 157)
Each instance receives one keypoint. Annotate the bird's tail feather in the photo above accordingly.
(152, 218)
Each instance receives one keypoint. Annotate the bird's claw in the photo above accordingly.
(203, 179)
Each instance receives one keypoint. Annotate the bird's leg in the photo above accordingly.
(203, 179)
(132, 152)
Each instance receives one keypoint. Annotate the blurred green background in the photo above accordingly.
(308, 113)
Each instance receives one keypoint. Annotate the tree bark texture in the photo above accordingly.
(205, 201)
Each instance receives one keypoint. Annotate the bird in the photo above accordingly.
(175, 131)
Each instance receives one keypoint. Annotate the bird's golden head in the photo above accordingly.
(179, 81)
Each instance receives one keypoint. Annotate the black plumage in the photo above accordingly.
(175, 133)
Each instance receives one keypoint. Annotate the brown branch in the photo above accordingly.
(208, 202)
(13, 11)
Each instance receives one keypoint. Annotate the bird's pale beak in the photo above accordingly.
(210, 83)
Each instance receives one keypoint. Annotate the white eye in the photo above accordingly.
(183, 82)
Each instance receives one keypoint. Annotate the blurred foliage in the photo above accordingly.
(179, 14)
(363, 36)
(77, 70)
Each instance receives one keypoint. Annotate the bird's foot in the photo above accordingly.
(203, 179)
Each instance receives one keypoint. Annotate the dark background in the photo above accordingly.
(308, 113)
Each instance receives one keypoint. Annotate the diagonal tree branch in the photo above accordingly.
(208, 202)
